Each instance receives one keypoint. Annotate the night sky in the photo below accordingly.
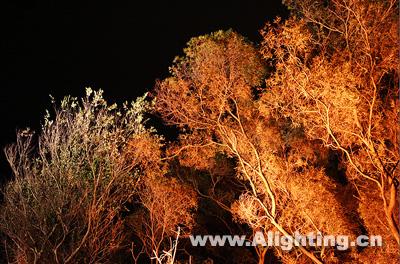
(58, 48)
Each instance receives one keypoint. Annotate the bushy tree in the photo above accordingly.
(212, 96)
(69, 190)
(336, 75)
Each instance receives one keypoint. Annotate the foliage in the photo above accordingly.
(220, 114)
(337, 77)
(258, 127)
(68, 192)
(331, 87)
(167, 205)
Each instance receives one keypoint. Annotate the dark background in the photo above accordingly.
(58, 48)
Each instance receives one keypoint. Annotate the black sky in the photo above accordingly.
(58, 48)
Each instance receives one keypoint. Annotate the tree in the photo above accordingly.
(69, 191)
(336, 75)
(212, 96)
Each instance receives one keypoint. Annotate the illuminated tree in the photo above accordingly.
(336, 75)
(68, 194)
(212, 97)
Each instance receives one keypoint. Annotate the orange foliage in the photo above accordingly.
(332, 85)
